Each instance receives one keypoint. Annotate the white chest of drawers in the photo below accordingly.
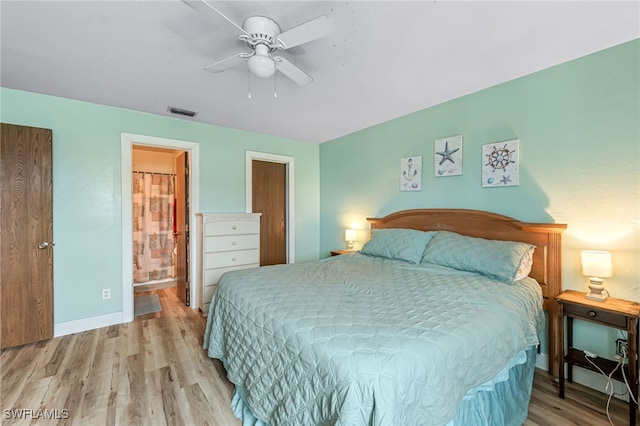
(226, 242)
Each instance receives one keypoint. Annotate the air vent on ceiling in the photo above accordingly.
(180, 111)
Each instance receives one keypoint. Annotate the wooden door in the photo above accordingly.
(181, 233)
(26, 254)
(269, 197)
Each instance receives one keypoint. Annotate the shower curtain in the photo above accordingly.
(153, 213)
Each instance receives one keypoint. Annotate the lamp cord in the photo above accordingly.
(609, 387)
(626, 382)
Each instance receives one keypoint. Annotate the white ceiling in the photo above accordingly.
(384, 59)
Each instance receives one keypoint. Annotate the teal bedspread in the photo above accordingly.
(360, 340)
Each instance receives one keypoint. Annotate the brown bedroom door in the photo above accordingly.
(181, 233)
(269, 197)
(26, 254)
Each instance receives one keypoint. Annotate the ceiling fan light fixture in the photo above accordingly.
(261, 64)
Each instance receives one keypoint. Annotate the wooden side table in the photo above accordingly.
(616, 313)
(339, 252)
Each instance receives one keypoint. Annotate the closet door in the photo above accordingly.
(269, 197)
(26, 252)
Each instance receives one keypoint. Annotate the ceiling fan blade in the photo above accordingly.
(207, 9)
(227, 63)
(311, 30)
(293, 72)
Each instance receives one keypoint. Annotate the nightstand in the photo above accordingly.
(616, 313)
(339, 252)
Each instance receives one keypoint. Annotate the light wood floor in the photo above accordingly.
(153, 371)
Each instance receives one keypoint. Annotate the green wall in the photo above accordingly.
(87, 187)
(578, 125)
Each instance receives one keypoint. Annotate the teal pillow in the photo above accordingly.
(501, 260)
(398, 243)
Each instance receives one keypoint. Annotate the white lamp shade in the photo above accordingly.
(350, 234)
(596, 263)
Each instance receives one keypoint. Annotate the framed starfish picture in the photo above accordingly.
(501, 164)
(448, 156)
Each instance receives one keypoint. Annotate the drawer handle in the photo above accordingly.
(592, 314)
(233, 243)
(233, 258)
(234, 227)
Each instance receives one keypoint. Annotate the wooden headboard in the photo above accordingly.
(547, 237)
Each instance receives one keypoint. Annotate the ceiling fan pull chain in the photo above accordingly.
(249, 89)
(275, 81)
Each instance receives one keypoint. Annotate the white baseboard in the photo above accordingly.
(586, 378)
(542, 361)
(85, 324)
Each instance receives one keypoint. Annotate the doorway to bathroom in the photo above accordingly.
(181, 166)
(160, 220)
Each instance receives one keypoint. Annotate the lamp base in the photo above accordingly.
(596, 290)
(599, 297)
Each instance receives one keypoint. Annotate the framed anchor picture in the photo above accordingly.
(411, 174)
(448, 156)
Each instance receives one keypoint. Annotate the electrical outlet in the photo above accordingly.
(622, 347)
(106, 293)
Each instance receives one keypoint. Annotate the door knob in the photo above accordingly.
(43, 245)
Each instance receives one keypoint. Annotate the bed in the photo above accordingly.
(423, 326)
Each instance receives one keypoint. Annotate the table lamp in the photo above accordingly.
(596, 265)
(350, 237)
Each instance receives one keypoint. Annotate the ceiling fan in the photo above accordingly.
(264, 37)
